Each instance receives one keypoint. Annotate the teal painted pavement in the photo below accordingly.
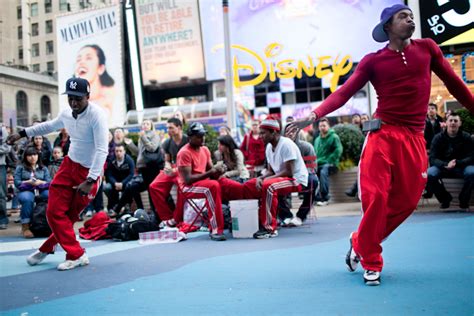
(428, 270)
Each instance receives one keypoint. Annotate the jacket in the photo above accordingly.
(328, 149)
(23, 174)
(445, 148)
(122, 174)
(432, 129)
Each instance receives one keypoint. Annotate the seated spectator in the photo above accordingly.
(57, 159)
(31, 179)
(284, 206)
(195, 173)
(43, 148)
(232, 158)
(328, 149)
(253, 149)
(452, 156)
(161, 187)
(118, 173)
(433, 124)
(63, 140)
(5, 150)
(286, 173)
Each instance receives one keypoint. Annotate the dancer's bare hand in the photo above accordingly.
(84, 188)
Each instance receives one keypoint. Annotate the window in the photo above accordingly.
(34, 29)
(84, 4)
(49, 47)
(22, 108)
(48, 6)
(63, 5)
(35, 51)
(18, 12)
(49, 26)
(45, 108)
(20, 32)
(20, 53)
(50, 66)
(34, 9)
(35, 67)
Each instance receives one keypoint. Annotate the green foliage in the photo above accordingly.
(352, 140)
(211, 139)
(467, 120)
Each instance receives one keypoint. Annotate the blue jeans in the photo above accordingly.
(27, 201)
(3, 195)
(435, 174)
(324, 172)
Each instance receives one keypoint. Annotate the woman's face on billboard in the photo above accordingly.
(87, 65)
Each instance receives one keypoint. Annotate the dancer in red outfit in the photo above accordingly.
(160, 187)
(78, 178)
(393, 163)
(195, 173)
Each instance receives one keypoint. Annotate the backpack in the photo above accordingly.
(129, 227)
(39, 225)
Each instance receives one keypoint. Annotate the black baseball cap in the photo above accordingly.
(77, 86)
(196, 128)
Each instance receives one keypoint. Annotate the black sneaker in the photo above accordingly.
(352, 259)
(265, 234)
(217, 237)
(372, 278)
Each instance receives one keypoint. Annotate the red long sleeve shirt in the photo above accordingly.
(403, 83)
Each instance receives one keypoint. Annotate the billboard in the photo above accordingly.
(304, 31)
(448, 22)
(169, 38)
(89, 45)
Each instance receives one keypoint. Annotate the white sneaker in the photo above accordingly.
(71, 264)
(371, 277)
(296, 221)
(322, 203)
(89, 213)
(36, 258)
(286, 222)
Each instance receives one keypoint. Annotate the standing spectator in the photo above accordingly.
(452, 156)
(55, 161)
(119, 138)
(232, 158)
(161, 187)
(356, 120)
(4, 151)
(364, 118)
(433, 124)
(328, 149)
(76, 182)
(31, 179)
(224, 130)
(118, 173)
(63, 140)
(253, 149)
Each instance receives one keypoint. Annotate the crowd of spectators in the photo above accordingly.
(266, 166)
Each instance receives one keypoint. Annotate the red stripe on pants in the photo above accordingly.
(210, 190)
(268, 196)
(64, 206)
(392, 178)
(159, 190)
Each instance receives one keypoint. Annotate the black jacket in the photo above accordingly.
(121, 174)
(445, 148)
(432, 129)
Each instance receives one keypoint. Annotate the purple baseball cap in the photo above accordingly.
(379, 33)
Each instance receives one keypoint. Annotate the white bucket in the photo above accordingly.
(244, 218)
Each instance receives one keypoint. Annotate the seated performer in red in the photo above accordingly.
(160, 187)
(286, 173)
(195, 170)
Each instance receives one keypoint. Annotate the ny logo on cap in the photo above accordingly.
(73, 85)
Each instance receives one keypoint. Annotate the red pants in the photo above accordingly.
(393, 175)
(64, 206)
(160, 190)
(271, 189)
(210, 190)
